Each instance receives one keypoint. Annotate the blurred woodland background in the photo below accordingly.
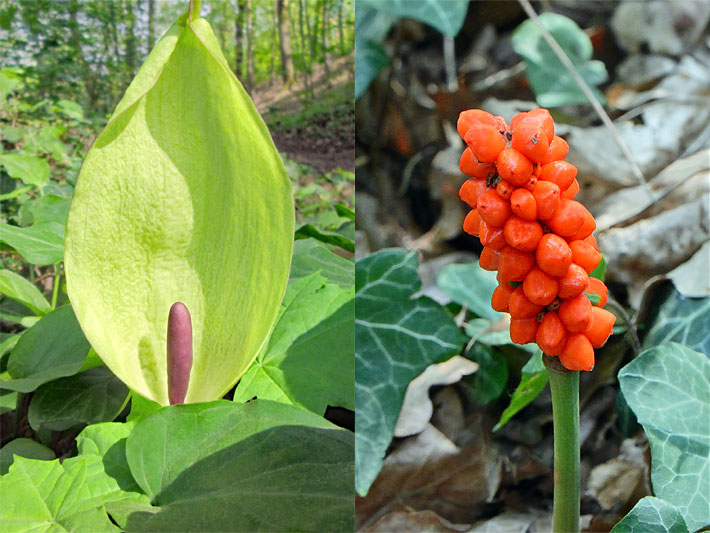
(644, 176)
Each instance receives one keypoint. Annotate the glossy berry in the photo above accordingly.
(520, 306)
(575, 313)
(574, 283)
(568, 218)
(600, 326)
(514, 264)
(522, 234)
(557, 151)
(540, 287)
(551, 334)
(530, 140)
(477, 116)
(471, 190)
(597, 287)
(472, 222)
(485, 142)
(491, 237)
(500, 298)
(588, 226)
(493, 209)
(571, 191)
(578, 353)
(514, 167)
(522, 203)
(553, 255)
(489, 259)
(523, 330)
(547, 199)
(585, 255)
(559, 172)
(504, 189)
(471, 166)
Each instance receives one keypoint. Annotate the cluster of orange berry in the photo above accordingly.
(534, 234)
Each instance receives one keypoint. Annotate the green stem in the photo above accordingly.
(194, 9)
(55, 287)
(564, 387)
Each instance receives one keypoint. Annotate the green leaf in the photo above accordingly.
(471, 286)
(307, 360)
(396, 338)
(668, 388)
(599, 271)
(446, 16)
(594, 298)
(328, 237)
(53, 348)
(8, 401)
(93, 396)
(28, 168)
(279, 468)
(344, 211)
(20, 289)
(489, 382)
(27, 448)
(549, 79)
(141, 407)
(532, 382)
(652, 515)
(41, 244)
(49, 208)
(7, 83)
(183, 197)
(49, 496)
(679, 319)
(108, 441)
(497, 333)
(71, 109)
(311, 256)
(369, 61)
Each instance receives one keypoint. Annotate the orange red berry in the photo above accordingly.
(534, 234)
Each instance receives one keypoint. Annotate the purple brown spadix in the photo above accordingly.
(179, 352)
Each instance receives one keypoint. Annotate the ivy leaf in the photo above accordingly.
(489, 382)
(679, 319)
(53, 348)
(668, 389)
(471, 286)
(396, 339)
(652, 515)
(182, 198)
(446, 16)
(307, 360)
(550, 80)
(280, 468)
(20, 289)
(532, 382)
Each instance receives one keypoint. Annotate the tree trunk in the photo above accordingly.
(341, 33)
(304, 43)
(238, 40)
(324, 41)
(250, 57)
(131, 39)
(282, 16)
(151, 24)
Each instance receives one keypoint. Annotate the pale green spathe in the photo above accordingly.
(183, 197)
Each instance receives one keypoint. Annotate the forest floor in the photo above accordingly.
(313, 125)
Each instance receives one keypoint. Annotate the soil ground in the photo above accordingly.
(317, 129)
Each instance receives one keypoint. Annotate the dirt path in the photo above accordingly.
(324, 141)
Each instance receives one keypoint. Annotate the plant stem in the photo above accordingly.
(55, 286)
(194, 8)
(564, 387)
